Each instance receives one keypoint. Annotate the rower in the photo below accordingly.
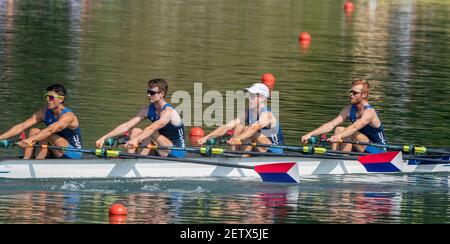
(365, 122)
(62, 128)
(258, 124)
(167, 128)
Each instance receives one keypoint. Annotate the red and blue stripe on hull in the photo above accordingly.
(282, 172)
(382, 162)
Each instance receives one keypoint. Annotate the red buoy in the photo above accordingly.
(269, 80)
(118, 209)
(22, 136)
(304, 36)
(305, 44)
(349, 6)
(117, 219)
(196, 134)
(197, 131)
(230, 132)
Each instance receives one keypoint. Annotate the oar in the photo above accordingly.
(12, 142)
(327, 154)
(411, 148)
(309, 149)
(6, 143)
(121, 139)
(404, 148)
(208, 151)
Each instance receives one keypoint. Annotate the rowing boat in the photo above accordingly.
(295, 167)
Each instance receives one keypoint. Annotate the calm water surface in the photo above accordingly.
(105, 51)
(324, 199)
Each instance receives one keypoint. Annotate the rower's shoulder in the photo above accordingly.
(144, 108)
(42, 110)
(40, 113)
(143, 111)
(69, 114)
(347, 109)
(369, 111)
(267, 113)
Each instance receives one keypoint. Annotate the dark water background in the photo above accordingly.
(105, 51)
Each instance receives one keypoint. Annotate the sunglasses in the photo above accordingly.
(354, 93)
(152, 93)
(52, 97)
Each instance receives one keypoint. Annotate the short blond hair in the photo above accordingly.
(364, 83)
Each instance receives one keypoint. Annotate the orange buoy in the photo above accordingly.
(305, 44)
(269, 80)
(118, 209)
(304, 36)
(349, 6)
(197, 131)
(196, 134)
(193, 140)
(117, 219)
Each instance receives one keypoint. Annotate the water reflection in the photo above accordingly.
(325, 199)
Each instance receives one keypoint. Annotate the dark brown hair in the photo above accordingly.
(160, 83)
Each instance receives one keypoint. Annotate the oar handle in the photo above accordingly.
(6, 143)
(411, 148)
(116, 141)
(10, 143)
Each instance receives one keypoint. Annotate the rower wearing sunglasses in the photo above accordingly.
(167, 128)
(365, 122)
(62, 128)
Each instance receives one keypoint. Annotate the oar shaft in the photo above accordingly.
(71, 149)
(309, 149)
(431, 160)
(221, 151)
(187, 149)
(404, 148)
(184, 160)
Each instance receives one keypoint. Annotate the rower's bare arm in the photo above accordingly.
(65, 121)
(221, 130)
(122, 128)
(164, 118)
(365, 119)
(265, 120)
(327, 127)
(19, 128)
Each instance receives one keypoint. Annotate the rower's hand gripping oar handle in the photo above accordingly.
(116, 141)
(10, 143)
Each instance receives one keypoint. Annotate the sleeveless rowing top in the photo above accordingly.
(274, 134)
(72, 136)
(174, 133)
(375, 135)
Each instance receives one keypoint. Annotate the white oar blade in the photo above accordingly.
(281, 172)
